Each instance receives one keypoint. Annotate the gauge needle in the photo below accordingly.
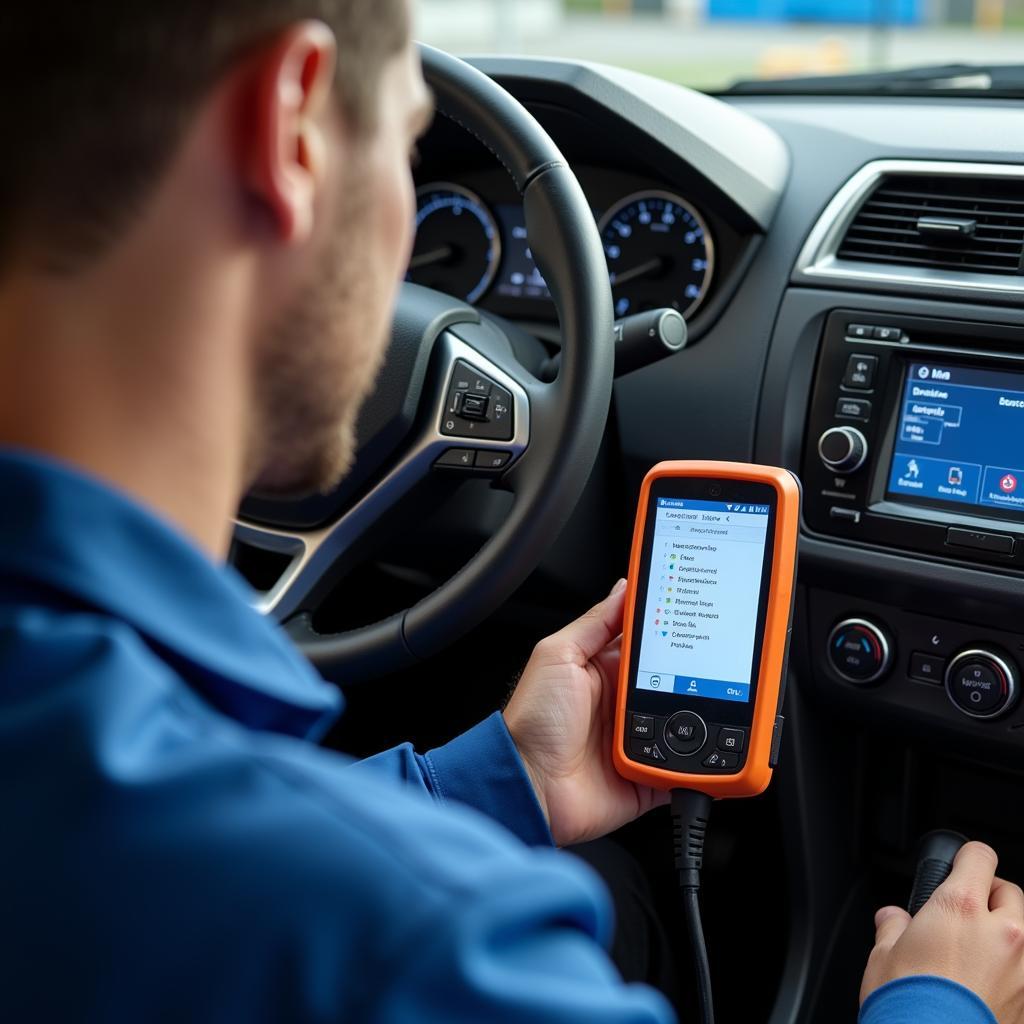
(425, 259)
(644, 268)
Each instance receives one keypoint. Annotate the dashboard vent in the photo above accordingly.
(965, 224)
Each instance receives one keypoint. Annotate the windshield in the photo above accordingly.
(713, 44)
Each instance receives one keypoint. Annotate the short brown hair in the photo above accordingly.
(95, 97)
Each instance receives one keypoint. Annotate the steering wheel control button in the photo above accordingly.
(457, 458)
(731, 739)
(860, 372)
(853, 409)
(647, 749)
(981, 684)
(474, 407)
(685, 733)
(843, 449)
(492, 460)
(642, 727)
(859, 651)
(477, 407)
(927, 668)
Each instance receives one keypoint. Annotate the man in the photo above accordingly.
(205, 209)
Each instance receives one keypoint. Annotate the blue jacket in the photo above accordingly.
(175, 849)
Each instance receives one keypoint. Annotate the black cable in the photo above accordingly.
(690, 811)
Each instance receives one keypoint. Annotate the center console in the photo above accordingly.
(915, 437)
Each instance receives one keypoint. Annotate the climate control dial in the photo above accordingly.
(981, 683)
(843, 449)
(859, 651)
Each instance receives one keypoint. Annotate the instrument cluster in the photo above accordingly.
(659, 247)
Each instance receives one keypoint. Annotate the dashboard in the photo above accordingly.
(835, 333)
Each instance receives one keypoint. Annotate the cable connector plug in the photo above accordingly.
(690, 813)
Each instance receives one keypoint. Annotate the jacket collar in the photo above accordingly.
(78, 537)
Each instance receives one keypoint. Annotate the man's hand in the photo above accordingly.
(561, 718)
(971, 930)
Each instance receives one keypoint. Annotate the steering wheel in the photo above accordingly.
(453, 400)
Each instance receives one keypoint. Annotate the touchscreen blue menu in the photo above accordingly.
(700, 616)
(960, 437)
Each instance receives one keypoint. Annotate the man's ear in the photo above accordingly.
(285, 151)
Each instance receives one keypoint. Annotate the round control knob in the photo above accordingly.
(685, 732)
(981, 684)
(859, 651)
(843, 449)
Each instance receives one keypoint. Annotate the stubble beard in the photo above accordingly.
(315, 367)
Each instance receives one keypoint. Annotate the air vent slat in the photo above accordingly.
(885, 229)
(877, 205)
(924, 247)
(1016, 238)
(945, 197)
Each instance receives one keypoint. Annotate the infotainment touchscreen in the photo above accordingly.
(960, 439)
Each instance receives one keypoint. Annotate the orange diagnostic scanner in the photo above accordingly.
(705, 641)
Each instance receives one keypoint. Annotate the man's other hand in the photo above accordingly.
(971, 930)
(561, 718)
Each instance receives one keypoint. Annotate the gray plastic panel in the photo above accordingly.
(716, 139)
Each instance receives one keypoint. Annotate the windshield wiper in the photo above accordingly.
(996, 80)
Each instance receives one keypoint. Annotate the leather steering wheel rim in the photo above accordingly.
(567, 417)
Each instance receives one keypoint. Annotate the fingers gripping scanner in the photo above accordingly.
(705, 642)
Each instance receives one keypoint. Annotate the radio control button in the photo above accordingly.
(981, 683)
(859, 651)
(731, 739)
(647, 749)
(642, 727)
(685, 732)
(888, 333)
(839, 512)
(853, 409)
(843, 449)
(860, 331)
(860, 372)
(997, 543)
(927, 668)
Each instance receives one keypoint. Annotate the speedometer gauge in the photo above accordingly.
(659, 253)
(457, 247)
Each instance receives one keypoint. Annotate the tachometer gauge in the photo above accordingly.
(458, 247)
(659, 252)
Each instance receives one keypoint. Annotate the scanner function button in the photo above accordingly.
(721, 759)
(731, 739)
(685, 733)
(647, 749)
(642, 727)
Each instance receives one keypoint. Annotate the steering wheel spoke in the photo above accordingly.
(450, 446)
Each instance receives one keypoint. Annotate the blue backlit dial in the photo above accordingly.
(659, 253)
(458, 246)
